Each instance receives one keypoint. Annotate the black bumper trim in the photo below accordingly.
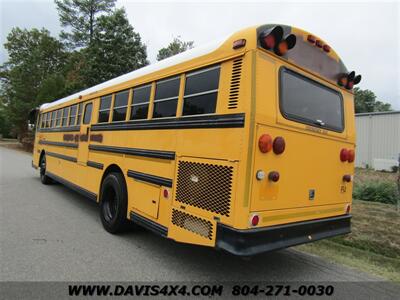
(149, 224)
(254, 241)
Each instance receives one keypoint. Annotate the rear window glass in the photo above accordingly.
(307, 101)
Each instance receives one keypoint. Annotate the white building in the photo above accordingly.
(378, 140)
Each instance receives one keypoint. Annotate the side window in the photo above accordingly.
(120, 106)
(166, 98)
(140, 102)
(104, 110)
(42, 121)
(201, 91)
(58, 118)
(88, 113)
(72, 115)
(48, 115)
(65, 116)
(53, 118)
(78, 122)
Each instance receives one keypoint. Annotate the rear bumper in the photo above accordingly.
(253, 241)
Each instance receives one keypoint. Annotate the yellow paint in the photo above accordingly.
(310, 161)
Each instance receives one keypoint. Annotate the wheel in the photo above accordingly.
(114, 203)
(43, 177)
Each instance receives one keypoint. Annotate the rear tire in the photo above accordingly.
(42, 167)
(114, 203)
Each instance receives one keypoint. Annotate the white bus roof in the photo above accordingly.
(165, 63)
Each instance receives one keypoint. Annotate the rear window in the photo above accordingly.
(307, 101)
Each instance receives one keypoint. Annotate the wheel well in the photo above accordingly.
(111, 168)
(40, 157)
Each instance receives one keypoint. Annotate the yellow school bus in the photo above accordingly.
(245, 144)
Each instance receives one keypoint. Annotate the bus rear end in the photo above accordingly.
(303, 146)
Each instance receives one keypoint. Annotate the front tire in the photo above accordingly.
(113, 203)
(43, 177)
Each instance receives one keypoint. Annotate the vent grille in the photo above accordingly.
(235, 83)
(194, 224)
(206, 186)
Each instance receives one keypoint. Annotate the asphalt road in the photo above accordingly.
(50, 233)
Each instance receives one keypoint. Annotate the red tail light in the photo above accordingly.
(346, 178)
(344, 155)
(279, 145)
(351, 156)
(265, 143)
(326, 48)
(273, 176)
(348, 208)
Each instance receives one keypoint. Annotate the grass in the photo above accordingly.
(374, 244)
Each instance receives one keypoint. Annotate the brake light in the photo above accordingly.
(273, 176)
(279, 145)
(347, 178)
(344, 155)
(166, 193)
(351, 156)
(348, 209)
(265, 143)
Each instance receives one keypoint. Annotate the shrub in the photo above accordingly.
(384, 192)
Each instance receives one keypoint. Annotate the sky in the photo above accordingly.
(364, 34)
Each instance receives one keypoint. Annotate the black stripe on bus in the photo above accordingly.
(60, 129)
(60, 144)
(94, 164)
(73, 186)
(209, 121)
(149, 224)
(134, 151)
(150, 178)
(61, 156)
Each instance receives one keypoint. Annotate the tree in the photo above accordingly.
(365, 101)
(116, 49)
(175, 47)
(32, 75)
(81, 16)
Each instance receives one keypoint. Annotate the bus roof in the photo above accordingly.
(165, 63)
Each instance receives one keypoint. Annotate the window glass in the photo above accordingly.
(48, 116)
(43, 120)
(140, 102)
(78, 122)
(307, 101)
(120, 106)
(53, 119)
(65, 116)
(202, 80)
(72, 115)
(166, 98)
(58, 118)
(104, 111)
(88, 113)
(201, 91)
